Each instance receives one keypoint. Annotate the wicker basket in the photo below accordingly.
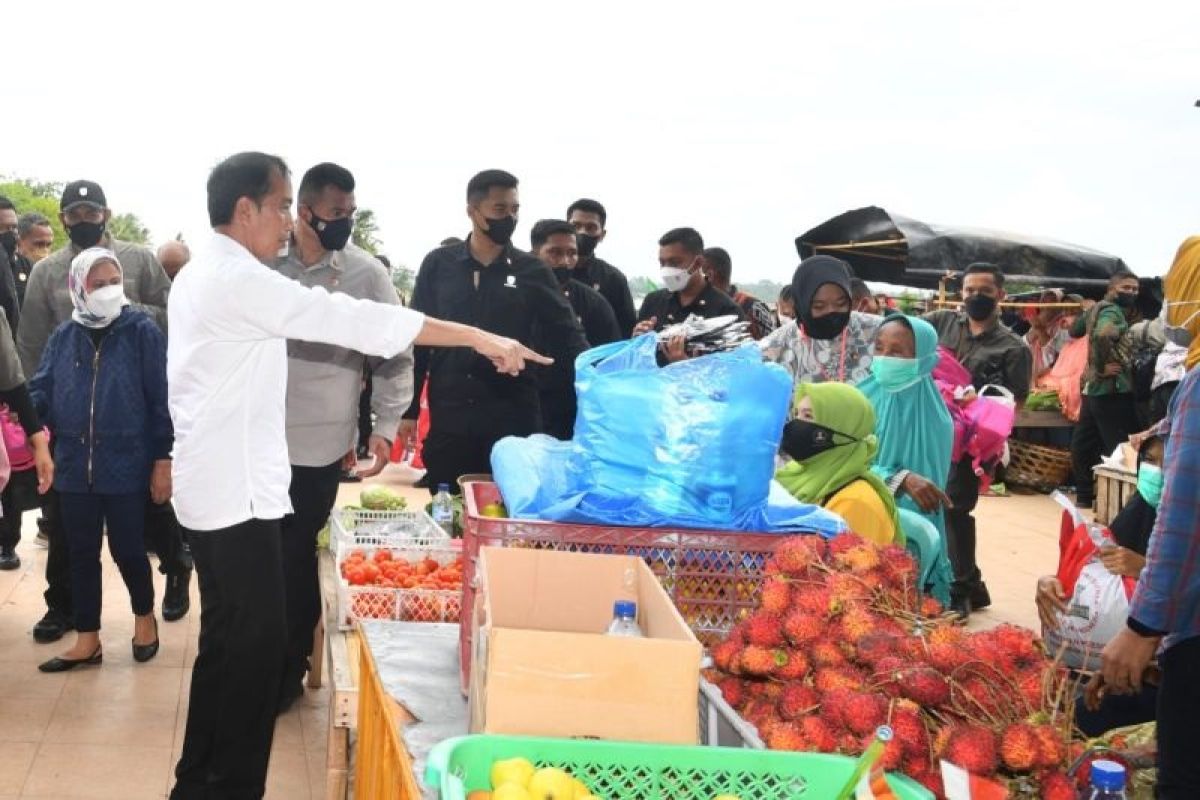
(1037, 466)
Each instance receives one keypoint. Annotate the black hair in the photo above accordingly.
(545, 228)
(859, 289)
(321, 176)
(1147, 443)
(30, 220)
(243, 175)
(382, 259)
(983, 268)
(1121, 275)
(689, 238)
(479, 186)
(722, 265)
(787, 295)
(6, 204)
(449, 240)
(589, 207)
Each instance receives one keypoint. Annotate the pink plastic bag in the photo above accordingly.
(949, 375)
(981, 426)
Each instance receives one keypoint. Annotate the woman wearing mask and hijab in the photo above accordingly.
(828, 341)
(832, 444)
(1131, 528)
(102, 391)
(916, 439)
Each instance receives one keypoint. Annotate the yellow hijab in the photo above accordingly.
(1183, 283)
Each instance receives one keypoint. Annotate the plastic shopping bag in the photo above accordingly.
(691, 445)
(1098, 603)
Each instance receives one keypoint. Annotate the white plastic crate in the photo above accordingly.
(359, 527)
(398, 604)
(721, 725)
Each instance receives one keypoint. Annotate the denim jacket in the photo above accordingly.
(106, 407)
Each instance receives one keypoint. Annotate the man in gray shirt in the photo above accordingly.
(324, 382)
(84, 213)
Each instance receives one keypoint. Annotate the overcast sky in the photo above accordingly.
(750, 121)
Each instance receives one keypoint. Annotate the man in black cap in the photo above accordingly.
(85, 214)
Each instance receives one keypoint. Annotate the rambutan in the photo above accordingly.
(802, 627)
(776, 597)
(826, 653)
(930, 607)
(758, 661)
(1031, 685)
(890, 664)
(833, 703)
(795, 554)
(925, 686)
(972, 747)
(733, 690)
(726, 656)
(1019, 747)
(845, 588)
(764, 629)
(1052, 748)
(947, 635)
(946, 657)
(797, 701)
(861, 558)
(815, 600)
(857, 624)
(786, 736)
(795, 665)
(773, 690)
(1018, 643)
(1056, 785)
(893, 752)
(828, 679)
(818, 734)
(874, 648)
(931, 780)
(864, 712)
(909, 730)
(842, 543)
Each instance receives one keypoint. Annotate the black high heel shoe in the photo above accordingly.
(144, 652)
(60, 664)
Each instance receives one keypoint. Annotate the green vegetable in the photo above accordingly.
(1043, 401)
(381, 498)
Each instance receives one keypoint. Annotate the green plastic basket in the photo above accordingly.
(626, 771)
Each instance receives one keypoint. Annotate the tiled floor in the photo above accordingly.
(115, 731)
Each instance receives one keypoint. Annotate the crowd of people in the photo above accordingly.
(205, 407)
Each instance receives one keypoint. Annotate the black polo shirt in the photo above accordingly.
(516, 296)
(996, 356)
(612, 284)
(668, 310)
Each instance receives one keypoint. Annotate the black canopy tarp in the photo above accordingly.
(886, 247)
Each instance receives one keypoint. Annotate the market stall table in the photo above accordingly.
(341, 649)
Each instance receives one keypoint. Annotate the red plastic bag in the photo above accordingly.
(422, 432)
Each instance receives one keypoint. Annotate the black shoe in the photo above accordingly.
(176, 599)
(980, 599)
(144, 652)
(9, 558)
(60, 664)
(961, 606)
(293, 690)
(51, 627)
(422, 482)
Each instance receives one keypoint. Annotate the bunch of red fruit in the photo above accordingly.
(843, 642)
(419, 589)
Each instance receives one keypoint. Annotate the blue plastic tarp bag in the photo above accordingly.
(691, 445)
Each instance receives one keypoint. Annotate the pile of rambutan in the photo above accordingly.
(843, 642)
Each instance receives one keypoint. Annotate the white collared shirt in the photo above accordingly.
(230, 318)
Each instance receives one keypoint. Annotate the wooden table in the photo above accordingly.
(341, 649)
(1114, 487)
(1041, 419)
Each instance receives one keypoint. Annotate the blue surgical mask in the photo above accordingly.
(1150, 483)
(894, 373)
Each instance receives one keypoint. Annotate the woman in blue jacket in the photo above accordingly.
(102, 390)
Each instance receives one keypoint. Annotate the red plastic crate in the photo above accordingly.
(713, 577)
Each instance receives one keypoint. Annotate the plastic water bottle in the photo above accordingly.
(1108, 781)
(624, 621)
(443, 509)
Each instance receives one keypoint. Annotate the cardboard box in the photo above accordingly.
(543, 666)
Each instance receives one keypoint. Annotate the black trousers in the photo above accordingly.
(1105, 421)
(1178, 705)
(86, 519)
(365, 424)
(313, 491)
(58, 560)
(165, 535)
(19, 496)
(236, 679)
(963, 491)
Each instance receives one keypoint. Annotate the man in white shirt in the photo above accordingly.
(230, 319)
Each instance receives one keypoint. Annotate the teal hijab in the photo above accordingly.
(915, 433)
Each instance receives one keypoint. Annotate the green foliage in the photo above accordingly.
(128, 228)
(366, 231)
(403, 279)
(640, 286)
(28, 195)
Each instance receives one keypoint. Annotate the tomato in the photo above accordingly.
(371, 571)
(383, 555)
(357, 554)
(356, 576)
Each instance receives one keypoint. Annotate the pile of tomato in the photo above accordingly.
(384, 569)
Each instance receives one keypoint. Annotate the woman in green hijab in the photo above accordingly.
(832, 444)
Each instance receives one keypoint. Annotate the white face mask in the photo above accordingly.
(106, 302)
(675, 278)
(784, 319)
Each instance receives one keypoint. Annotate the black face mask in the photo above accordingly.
(333, 233)
(501, 230)
(828, 326)
(8, 240)
(1125, 300)
(587, 244)
(803, 439)
(562, 275)
(86, 234)
(980, 307)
